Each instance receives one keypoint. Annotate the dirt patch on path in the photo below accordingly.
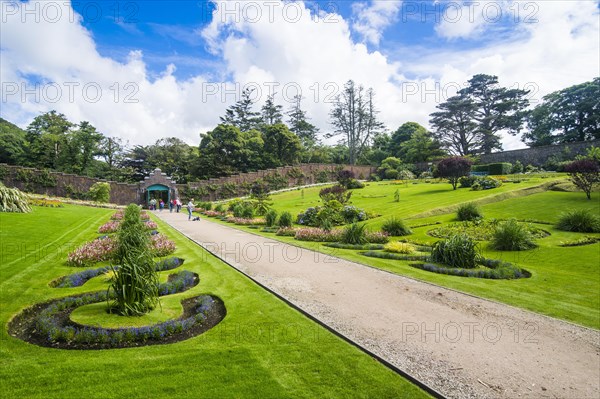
(462, 346)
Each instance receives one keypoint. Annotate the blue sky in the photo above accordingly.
(167, 68)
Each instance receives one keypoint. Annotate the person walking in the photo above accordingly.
(178, 204)
(190, 208)
(171, 205)
(161, 205)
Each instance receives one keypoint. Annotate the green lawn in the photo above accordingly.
(565, 281)
(263, 348)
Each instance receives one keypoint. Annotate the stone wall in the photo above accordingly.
(66, 185)
(205, 190)
(537, 156)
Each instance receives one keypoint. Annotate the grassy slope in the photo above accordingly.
(262, 348)
(565, 281)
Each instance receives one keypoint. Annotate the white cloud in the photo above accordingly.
(292, 46)
(371, 20)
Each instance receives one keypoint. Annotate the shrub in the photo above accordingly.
(352, 214)
(354, 234)
(99, 192)
(219, 208)
(355, 184)
(468, 211)
(396, 227)
(271, 218)
(308, 217)
(399, 247)
(247, 211)
(344, 177)
(517, 168)
(583, 221)
(503, 168)
(512, 236)
(486, 183)
(467, 181)
(285, 220)
(13, 200)
(480, 168)
(453, 168)
(390, 174)
(457, 251)
(286, 232)
(584, 173)
(405, 174)
(337, 192)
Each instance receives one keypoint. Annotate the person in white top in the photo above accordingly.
(190, 208)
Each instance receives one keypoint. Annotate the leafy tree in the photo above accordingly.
(222, 151)
(13, 146)
(421, 147)
(455, 126)
(453, 168)
(496, 109)
(47, 137)
(282, 147)
(584, 173)
(99, 192)
(271, 113)
(355, 118)
(86, 140)
(241, 114)
(401, 136)
(567, 115)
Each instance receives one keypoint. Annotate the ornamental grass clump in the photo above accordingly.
(355, 234)
(468, 212)
(13, 200)
(396, 227)
(512, 236)
(457, 251)
(134, 287)
(582, 220)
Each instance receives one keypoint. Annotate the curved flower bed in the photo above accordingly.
(150, 225)
(109, 227)
(480, 230)
(161, 245)
(92, 252)
(80, 278)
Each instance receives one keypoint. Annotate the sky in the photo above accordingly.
(143, 70)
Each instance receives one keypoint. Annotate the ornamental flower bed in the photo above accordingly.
(161, 245)
(150, 225)
(213, 214)
(144, 216)
(109, 227)
(319, 235)
(89, 253)
(286, 232)
(117, 215)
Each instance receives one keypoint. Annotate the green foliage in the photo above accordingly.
(337, 193)
(285, 220)
(517, 167)
(457, 251)
(220, 208)
(135, 281)
(321, 176)
(99, 192)
(400, 247)
(467, 181)
(247, 211)
(395, 227)
(579, 220)
(453, 168)
(397, 195)
(13, 200)
(485, 183)
(354, 234)
(503, 168)
(585, 174)
(468, 211)
(271, 218)
(512, 236)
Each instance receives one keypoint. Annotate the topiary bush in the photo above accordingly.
(469, 211)
(457, 251)
(271, 218)
(285, 220)
(512, 236)
(395, 227)
(582, 220)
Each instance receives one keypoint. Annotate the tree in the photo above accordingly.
(299, 125)
(401, 136)
(496, 109)
(455, 127)
(13, 146)
(355, 118)
(584, 173)
(99, 192)
(421, 147)
(567, 115)
(86, 141)
(241, 114)
(453, 168)
(281, 146)
(271, 113)
(47, 138)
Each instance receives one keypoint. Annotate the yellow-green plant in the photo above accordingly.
(399, 247)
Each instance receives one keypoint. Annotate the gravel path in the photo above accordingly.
(462, 346)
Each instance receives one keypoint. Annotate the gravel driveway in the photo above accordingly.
(458, 344)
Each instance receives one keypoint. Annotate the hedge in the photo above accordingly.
(503, 168)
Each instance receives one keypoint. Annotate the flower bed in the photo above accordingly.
(286, 232)
(363, 247)
(213, 214)
(92, 252)
(109, 227)
(480, 230)
(318, 235)
(46, 203)
(161, 245)
(150, 225)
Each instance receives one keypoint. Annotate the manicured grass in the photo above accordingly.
(261, 349)
(565, 280)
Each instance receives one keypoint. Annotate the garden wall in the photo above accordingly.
(64, 184)
(538, 156)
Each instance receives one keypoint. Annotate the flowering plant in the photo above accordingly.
(316, 234)
(161, 245)
(92, 252)
(109, 227)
